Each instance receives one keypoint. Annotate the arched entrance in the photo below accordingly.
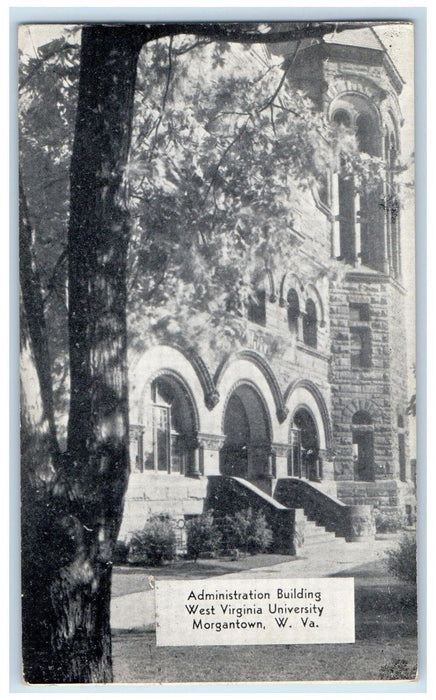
(170, 442)
(247, 448)
(303, 457)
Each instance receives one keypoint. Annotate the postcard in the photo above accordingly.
(217, 330)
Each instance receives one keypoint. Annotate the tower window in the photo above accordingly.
(359, 312)
(257, 307)
(360, 347)
(363, 446)
(293, 311)
(310, 325)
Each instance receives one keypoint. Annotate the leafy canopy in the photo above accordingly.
(219, 142)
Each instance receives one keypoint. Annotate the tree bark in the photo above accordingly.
(78, 513)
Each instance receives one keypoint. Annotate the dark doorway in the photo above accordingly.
(363, 446)
(303, 457)
(247, 448)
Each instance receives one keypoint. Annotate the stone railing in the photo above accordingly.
(228, 495)
(355, 523)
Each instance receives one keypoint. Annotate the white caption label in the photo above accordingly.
(269, 611)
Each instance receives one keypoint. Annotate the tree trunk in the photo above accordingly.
(77, 514)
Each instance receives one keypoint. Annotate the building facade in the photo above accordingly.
(328, 405)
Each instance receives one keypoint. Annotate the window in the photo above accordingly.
(257, 307)
(341, 118)
(359, 312)
(360, 336)
(310, 325)
(293, 311)
(169, 443)
(363, 446)
(360, 347)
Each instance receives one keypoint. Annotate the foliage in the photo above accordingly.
(401, 561)
(154, 544)
(203, 535)
(389, 522)
(246, 530)
(220, 143)
(398, 669)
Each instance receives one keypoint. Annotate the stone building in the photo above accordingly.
(322, 424)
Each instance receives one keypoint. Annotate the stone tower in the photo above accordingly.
(351, 77)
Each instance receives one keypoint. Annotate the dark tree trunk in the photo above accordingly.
(77, 514)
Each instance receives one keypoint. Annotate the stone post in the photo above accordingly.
(281, 451)
(209, 453)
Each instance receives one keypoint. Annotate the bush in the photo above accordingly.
(154, 544)
(389, 522)
(247, 531)
(202, 535)
(120, 553)
(396, 670)
(402, 560)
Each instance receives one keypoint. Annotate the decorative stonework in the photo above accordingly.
(211, 442)
(212, 399)
(280, 449)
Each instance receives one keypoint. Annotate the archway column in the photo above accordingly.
(208, 451)
(280, 452)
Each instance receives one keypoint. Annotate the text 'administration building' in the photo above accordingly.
(324, 421)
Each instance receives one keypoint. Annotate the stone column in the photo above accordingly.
(136, 439)
(336, 242)
(357, 229)
(281, 451)
(209, 453)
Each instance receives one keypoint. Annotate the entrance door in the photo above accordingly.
(248, 444)
(304, 437)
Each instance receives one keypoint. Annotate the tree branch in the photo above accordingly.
(34, 309)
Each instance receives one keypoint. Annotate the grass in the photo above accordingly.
(385, 647)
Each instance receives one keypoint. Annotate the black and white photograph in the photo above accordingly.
(217, 352)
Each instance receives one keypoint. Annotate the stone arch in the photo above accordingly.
(359, 106)
(291, 281)
(239, 386)
(304, 393)
(161, 359)
(174, 378)
(361, 405)
(352, 84)
(255, 368)
(246, 425)
(311, 292)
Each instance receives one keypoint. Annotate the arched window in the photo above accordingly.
(363, 446)
(341, 118)
(293, 311)
(366, 134)
(310, 325)
(170, 441)
(303, 457)
(359, 237)
(257, 306)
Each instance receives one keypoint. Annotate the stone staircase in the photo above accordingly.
(317, 535)
(297, 517)
(319, 508)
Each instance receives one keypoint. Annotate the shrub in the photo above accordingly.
(247, 530)
(402, 560)
(396, 670)
(202, 535)
(120, 553)
(389, 522)
(154, 544)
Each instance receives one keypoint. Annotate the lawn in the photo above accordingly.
(385, 635)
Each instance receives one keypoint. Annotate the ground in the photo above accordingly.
(385, 624)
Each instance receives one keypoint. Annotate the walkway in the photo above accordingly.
(364, 561)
